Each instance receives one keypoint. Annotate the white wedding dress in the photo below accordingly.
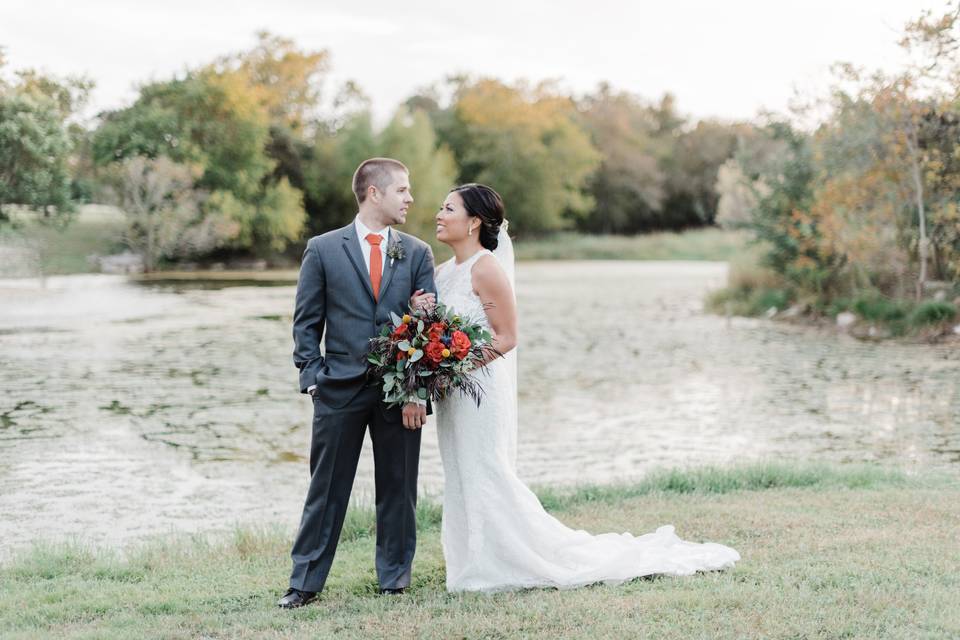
(495, 534)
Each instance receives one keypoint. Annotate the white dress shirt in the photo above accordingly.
(362, 233)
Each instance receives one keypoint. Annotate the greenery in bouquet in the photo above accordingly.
(429, 354)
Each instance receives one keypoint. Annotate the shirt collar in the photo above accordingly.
(363, 231)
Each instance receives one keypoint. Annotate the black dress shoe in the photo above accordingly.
(392, 592)
(294, 598)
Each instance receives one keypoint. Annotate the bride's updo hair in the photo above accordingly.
(482, 202)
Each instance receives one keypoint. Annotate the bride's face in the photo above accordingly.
(453, 222)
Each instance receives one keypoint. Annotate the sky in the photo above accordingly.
(725, 59)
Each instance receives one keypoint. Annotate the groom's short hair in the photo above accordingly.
(377, 172)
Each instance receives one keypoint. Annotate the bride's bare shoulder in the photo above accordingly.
(486, 270)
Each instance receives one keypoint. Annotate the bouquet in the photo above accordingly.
(428, 354)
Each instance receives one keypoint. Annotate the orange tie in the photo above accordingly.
(376, 263)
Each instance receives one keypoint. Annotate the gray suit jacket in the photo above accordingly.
(335, 302)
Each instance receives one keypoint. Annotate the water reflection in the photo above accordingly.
(132, 408)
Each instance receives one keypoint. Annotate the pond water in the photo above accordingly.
(130, 409)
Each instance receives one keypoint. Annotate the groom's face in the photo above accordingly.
(396, 199)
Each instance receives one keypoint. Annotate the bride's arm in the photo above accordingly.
(493, 287)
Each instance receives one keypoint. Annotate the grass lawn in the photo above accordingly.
(96, 229)
(828, 552)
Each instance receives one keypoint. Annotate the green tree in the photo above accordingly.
(527, 144)
(34, 152)
(781, 216)
(37, 139)
(691, 169)
(216, 121)
(328, 171)
(411, 139)
(628, 187)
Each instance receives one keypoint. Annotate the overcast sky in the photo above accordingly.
(727, 59)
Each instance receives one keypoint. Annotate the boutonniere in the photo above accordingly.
(395, 252)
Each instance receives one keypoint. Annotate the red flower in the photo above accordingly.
(401, 354)
(400, 332)
(460, 345)
(435, 332)
(434, 351)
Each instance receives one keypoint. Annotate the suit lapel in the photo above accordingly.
(351, 244)
(389, 267)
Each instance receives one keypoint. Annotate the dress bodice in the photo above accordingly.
(455, 288)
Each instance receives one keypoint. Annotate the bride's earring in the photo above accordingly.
(470, 231)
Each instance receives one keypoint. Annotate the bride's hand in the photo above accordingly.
(420, 300)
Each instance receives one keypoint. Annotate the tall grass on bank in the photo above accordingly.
(97, 230)
(753, 290)
(695, 244)
(94, 230)
(856, 552)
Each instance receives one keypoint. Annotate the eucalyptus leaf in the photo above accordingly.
(416, 355)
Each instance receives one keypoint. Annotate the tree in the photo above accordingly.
(691, 169)
(37, 141)
(285, 80)
(740, 179)
(34, 152)
(213, 120)
(781, 217)
(411, 139)
(526, 143)
(328, 171)
(163, 208)
(629, 186)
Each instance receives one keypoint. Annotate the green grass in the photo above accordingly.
(753, 290)
(828, 552)
(696, 244)
(95, 229)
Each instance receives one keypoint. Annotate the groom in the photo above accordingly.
(351, 279)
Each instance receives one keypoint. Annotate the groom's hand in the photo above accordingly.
(414, 415)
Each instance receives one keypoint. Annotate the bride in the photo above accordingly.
(495, 533)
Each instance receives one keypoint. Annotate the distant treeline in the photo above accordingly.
(248, 152)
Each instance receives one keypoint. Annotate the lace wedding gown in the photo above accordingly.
(495, 534)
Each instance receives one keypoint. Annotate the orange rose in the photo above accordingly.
(435, 332)
(400, 331)
(460, 345)
(434, 351)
